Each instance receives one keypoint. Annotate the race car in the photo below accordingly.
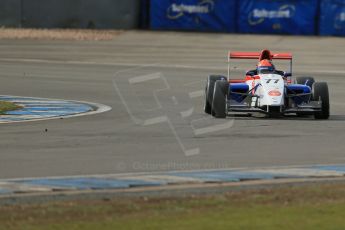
(266, 90)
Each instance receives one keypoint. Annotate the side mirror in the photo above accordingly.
(286, 74)
(250, 73)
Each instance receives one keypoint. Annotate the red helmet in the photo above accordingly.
(265, 66)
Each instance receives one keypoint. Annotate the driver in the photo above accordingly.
(265, 66)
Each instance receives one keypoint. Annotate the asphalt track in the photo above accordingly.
(134, 136)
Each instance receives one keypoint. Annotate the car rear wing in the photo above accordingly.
(258, 55)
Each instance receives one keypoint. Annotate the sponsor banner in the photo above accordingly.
(278, 17)
(200, 15)
(332, 18)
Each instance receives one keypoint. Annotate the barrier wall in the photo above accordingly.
(10, 13)
(201, 15)
(100, 14)
(299, 17)
(332, 18)
(278, 16)
(144, 14)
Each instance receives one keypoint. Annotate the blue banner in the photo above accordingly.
(278, 17)
(198, 15)
(332, 19)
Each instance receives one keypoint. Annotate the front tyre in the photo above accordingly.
(211, 80)
(220, 93)
(320, 93)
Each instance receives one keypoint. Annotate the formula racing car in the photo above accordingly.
(266, 90)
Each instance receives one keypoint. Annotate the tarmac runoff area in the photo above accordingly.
(154, 82)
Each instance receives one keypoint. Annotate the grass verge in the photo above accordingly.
(8, 106)
(303, 207)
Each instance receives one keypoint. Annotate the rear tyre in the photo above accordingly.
(211, 80)
(306, 80)
(220, 94)
(320, 93)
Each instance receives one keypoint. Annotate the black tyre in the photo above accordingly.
(309, 81)
(220, 93)
(211, 80)
(302, 114)
(320, 92)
